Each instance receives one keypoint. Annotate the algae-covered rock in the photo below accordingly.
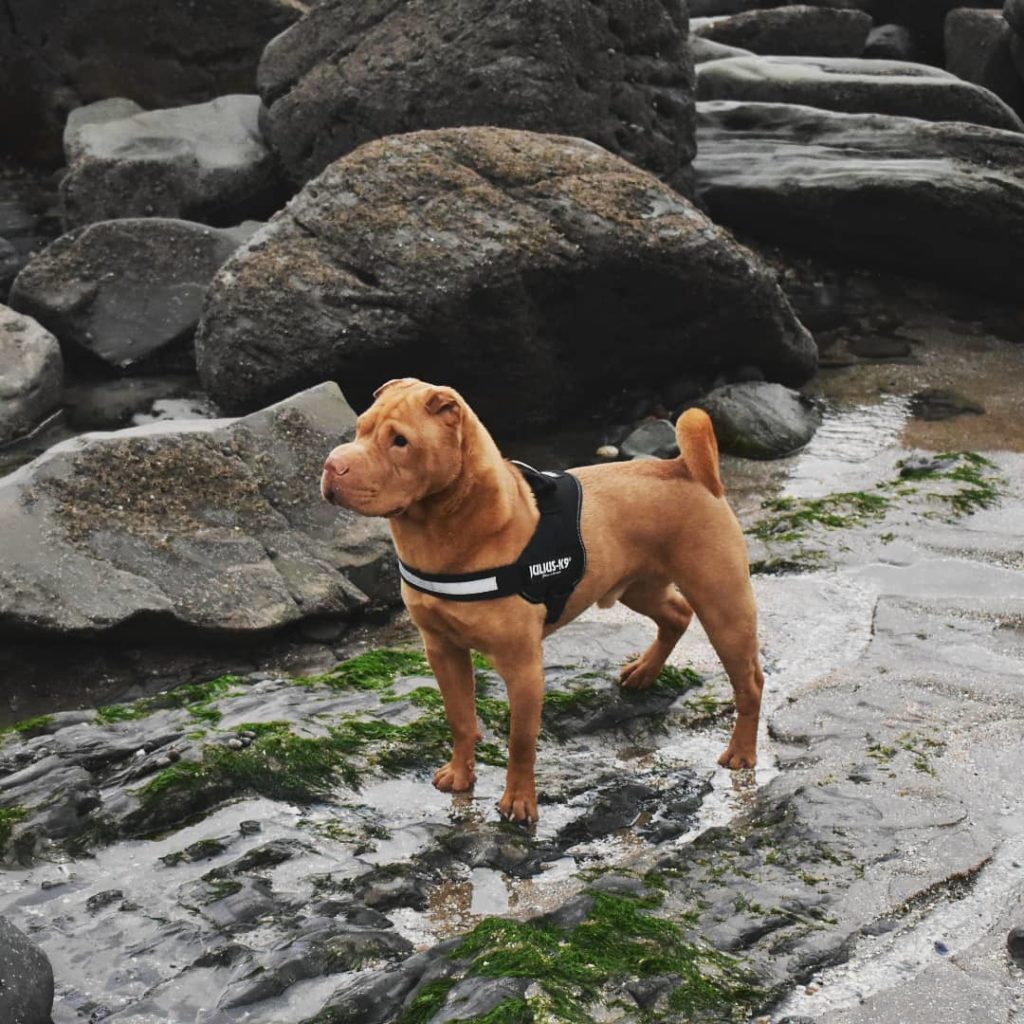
(514, 266)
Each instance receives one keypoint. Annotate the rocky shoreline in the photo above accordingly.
(221, 230)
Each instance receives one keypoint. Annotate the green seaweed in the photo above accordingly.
(790, 517)
(620, 939)
(196, 698)
(834, 511)
(374, 670)
(512, 1011)
(427, 1003)
(9, 817)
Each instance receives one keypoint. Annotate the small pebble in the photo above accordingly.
(235, 744)
(1015, 945)
(250, 828)
(607, 451)
(941, 948)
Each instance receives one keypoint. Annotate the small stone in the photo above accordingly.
(250, 828)
(234, 743)
(607, 451)
(103, 899)
(941, 948)
(1015, 945)
(652, 439)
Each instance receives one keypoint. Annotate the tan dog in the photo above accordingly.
(654, 531)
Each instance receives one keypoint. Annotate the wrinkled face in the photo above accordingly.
(408, 445)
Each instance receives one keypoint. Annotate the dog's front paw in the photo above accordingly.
(519, 804)
(455, 777)
(735, 758)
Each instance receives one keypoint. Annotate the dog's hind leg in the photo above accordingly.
(731, 627)
(671, 613)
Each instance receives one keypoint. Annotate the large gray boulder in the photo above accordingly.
(126, 290)
(206, 162)
(211, 525)
(795, 30)
(26, 978)
(760, 420)
(855, 86)
(58, 54)
(31, 374)
(538, 273)
(617, 73)
(940, 201)
(978, 50)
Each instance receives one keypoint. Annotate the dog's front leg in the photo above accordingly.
(523, 672)
(453, 669)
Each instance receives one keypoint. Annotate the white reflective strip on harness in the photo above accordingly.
(486, 585)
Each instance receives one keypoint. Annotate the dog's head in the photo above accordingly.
(408, 446)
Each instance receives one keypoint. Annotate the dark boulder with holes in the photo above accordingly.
(891, 42)
(617, 73)
(520, 268)
(206, 162)
(938, 201)
(56, 55)
(126, 291)
(214, 526)
(796, 30)
(855, 86)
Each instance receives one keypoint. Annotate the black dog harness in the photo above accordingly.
(548, 569)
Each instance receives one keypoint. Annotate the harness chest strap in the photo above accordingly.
(549, 567)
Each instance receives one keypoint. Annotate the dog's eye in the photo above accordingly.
(400, 441)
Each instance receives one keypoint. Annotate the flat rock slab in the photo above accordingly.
(31, 374)
(796, 30)
(58, 54)
(943, 201)
(214, 525)
(539, 274)
(855, 86)
(759, 420)
(125, 290)
(26, 978)
(617, 73)
(206, 162)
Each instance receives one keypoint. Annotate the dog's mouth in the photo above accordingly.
(394, 512)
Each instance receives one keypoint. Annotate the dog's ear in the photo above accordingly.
(444, 401)
(392, 383)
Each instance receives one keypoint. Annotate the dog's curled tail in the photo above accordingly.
(699, 449)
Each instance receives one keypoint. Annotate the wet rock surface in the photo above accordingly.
(57, 54)
(208, 524)
(279, 850)
(584, 256)
(780, 171)
(855, 86)
(796, 30)
(618, 74)
(206, 162)
(126, 290)
(31, 374)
